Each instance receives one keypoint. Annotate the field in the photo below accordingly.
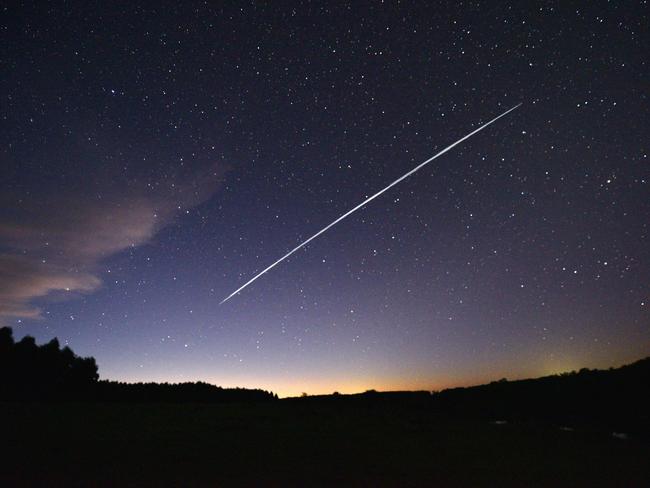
(301, 443)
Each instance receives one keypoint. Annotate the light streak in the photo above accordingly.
(368, 200)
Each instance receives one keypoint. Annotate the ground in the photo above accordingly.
(301, 443)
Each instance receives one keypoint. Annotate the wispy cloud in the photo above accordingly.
(23, 278)
(54, 243)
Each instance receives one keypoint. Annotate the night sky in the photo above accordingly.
(155, 159)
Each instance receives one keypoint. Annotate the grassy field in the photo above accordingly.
(300, 443)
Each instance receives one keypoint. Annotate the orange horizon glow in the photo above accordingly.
(295, 388)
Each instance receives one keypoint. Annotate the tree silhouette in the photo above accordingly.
(49, 372)
(29, 371)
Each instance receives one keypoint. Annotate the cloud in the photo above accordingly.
(53, 243)
(23, 279)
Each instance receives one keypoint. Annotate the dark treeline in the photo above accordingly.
(29, 371)
(198, 392)
(48, 372)
(615, 398)
(369, 398)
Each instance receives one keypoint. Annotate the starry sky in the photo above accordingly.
(153, 159)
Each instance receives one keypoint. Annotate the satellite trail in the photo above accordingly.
(368, 200)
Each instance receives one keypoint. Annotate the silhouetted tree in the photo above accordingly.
(29, 371)
(49, 372)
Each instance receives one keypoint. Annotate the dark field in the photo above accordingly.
(301, 443)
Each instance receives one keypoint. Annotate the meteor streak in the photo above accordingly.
(368, 200)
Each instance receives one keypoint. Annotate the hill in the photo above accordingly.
(614, 399)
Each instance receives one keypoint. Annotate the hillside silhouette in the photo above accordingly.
(606, 400)
(66, 427)
(610, 397)
(615, 398)
(48, 372)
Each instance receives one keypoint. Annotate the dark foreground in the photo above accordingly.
(301, 443)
